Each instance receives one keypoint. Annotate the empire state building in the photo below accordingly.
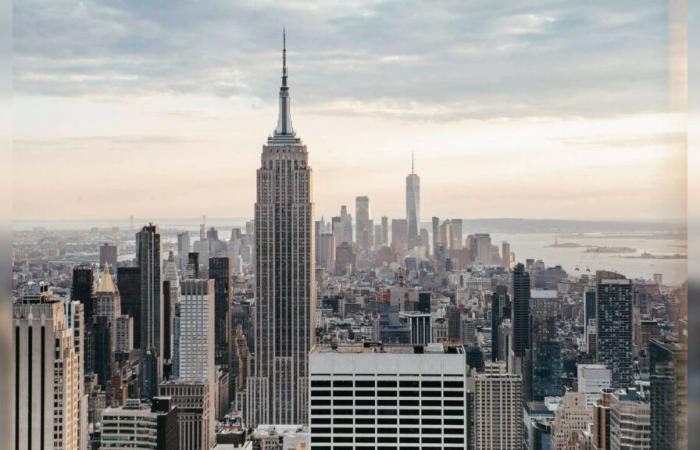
(285, 301)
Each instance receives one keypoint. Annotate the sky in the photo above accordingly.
(155, 109)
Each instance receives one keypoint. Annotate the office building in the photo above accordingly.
(197, 331)
(420, 323)
(589, 317)
(399, 236)
(129, 285)
(125, 334)
(138, 426)
(183, 250)
(108, 255)
(573, 416)
(220, 272)
(668, 364)
(403, 396)
(497, 409)
(47, 374)
(614, 326)
(592, 380)
(630, 423)
(326, 251)
(500, 310)
(363, 224)
(546, 371)
(148, 256)
(195, 424)
(520, 314)
(285, 275)
(506, 254)
(385, 230)
(345, 259)
(192, 268)
(412, 205)
(83, 290)
(75, 319)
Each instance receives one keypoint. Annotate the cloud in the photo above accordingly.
(508, 59)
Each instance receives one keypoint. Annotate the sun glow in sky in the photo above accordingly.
(513, 109)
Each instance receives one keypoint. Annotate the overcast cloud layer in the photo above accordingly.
(495, 97)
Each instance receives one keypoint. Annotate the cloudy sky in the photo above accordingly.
(514, 109)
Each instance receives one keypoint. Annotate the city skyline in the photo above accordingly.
(555, 139)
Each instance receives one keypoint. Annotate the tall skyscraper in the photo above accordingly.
(589, 316)
(107, 308)
(197, 331)
(385, 230)
(413, 204)
(520, 317)
(171, 297)
(183, 249)
(614, 341)
(668, 363)
(500, 310)
(129, 284)
(47, 375)
(363, 225)
(285, 271)
(220, 272)
(436, 235)
(148, 256)
(83, 290)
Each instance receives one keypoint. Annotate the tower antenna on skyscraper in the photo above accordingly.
(284, 56)
(413, 162)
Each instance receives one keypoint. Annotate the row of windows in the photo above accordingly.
(388, 393)
(388, 412)
(388, 439)
(399, 431)
(388, 421)
(380, 447)
(388, 383)
(373, 402)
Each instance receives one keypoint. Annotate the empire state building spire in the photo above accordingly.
(284, 122)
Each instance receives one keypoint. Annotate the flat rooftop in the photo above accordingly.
(373, 347)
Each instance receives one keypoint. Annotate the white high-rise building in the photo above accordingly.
(197, 331)
(196, 342)
(284, 276)
(374, 396)
(498, 412)
(592, 378)
(413, 205)
(47, 375)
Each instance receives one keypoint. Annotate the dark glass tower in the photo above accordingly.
(83, 289)
(500, 309)
(521, 311)
(668, 395)
(129, 285)
(148, 256)
(220, 272)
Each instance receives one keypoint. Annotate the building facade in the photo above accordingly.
(285, 275)
(374, 396)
